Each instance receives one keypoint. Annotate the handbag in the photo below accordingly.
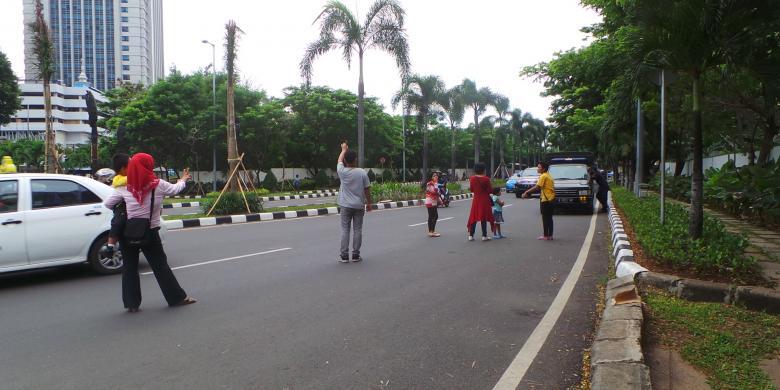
(138, 231)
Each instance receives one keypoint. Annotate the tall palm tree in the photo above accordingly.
(452, 105)
(516, 126)
(231, 51)
(478, 100)
(421, 94)
(501, 104)
(44, 64)
(382, 29)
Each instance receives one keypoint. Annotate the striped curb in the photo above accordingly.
(180, 205)
(236, 219)
(201, 196)
(306, 196)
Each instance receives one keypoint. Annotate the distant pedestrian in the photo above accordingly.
(354, 200)
(546, 188)
(481, 204)
(601, 194)
(498, 212)
(432, 204)
(297, 184)
(143, 197)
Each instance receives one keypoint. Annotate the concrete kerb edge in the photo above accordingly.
(244, 218)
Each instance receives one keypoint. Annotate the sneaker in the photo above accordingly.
(542, 238)
(356, 258)
(496, 237)
(485, 238)
(471, 238)
(344, 259)
(501, 236)
(549, 238)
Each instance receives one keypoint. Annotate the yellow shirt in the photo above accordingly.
(119, 181)
(547, 187)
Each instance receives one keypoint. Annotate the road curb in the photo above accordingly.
(245, 218)
(616, 359)
(180, 205)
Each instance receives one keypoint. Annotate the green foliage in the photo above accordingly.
(262, 191)
(371, 175)
(395, 192)
(388, 175)
(9, 91)
(77, 157)
(752, 191)
(718, 251)
(726, 342)
(678, 187)
(24, 152)
(321, 179)
(232, 203)
(455, 188)
(270, 182)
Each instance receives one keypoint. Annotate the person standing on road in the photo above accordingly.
(601, 195)
(546, 187)
(481, 205)
(432, 204)
(354, 200)
(143, 197)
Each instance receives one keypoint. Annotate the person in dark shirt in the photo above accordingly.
(601, 194)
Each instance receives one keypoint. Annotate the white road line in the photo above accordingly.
(438, 220)
(517, 369)
(225, 259)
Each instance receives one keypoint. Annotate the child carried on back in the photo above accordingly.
(120, 162)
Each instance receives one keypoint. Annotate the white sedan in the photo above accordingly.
(49, 220)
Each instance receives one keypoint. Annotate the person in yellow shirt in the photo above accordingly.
(7, 165)
(546, 186)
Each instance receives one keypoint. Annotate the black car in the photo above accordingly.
(569, 170)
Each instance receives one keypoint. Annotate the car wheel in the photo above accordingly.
(518, 194)
(105, 265)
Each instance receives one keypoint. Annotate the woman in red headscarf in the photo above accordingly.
(144, 197)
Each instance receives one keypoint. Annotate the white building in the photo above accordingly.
(111, 41)
(69, 112)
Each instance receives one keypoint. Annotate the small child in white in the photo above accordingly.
(498, 213)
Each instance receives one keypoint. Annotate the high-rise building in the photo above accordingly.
(110, 41)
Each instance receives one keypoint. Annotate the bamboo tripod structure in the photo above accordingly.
(242, 184)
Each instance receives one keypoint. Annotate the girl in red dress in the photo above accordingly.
(481, 205)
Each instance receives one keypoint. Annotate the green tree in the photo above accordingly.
(340, 30)
(478, 100)
(422, 94)
(9, 91)
(43, 50)
(453, 107)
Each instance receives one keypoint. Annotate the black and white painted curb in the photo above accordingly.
(302, 192)
(235, 219)
(616, 360)
(304, 196)
(180, 205)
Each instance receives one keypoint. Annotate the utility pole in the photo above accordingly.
(639, 149)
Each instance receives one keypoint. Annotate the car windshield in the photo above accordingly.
(569, 172)
(530, 172)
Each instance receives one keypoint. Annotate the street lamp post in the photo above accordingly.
(213, 113)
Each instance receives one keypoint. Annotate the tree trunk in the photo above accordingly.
(50, 147)
(232, 151)
(492, 151)
(452, 152)
(770, 131)
(424, 131)
(501, 154)
(679, 165)
(361, 117)
(476, 136)
(696, 217)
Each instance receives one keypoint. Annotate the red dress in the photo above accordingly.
(481, 207)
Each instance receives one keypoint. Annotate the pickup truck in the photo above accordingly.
(572, 185)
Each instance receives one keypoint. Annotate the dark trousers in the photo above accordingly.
(433, 216)
(155, 255)
(473, 228)
(547, 218)
(602, 197)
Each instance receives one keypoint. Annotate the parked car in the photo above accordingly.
(50, 220)
(528, 179)
(572, 185)
(511, 180)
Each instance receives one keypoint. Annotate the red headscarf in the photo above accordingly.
(140, 176)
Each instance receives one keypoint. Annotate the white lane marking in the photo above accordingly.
(508, 205)
(517, 369)
(225, 259)
(438, 220)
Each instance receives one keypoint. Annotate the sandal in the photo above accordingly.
(186, 301)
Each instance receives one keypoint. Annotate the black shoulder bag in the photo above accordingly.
(138, 231)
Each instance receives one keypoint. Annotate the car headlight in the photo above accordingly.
(584, 192)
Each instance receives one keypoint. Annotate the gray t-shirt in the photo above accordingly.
(353, 183)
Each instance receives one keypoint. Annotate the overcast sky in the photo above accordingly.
(488, 41)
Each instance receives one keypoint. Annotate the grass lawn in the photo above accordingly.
(726, 343)
(268, 210)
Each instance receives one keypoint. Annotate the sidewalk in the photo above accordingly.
(764, 244)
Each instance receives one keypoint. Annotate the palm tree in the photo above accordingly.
(421, 94)
(44, 63)
(477, 100)
(383, 29)
(452, 105)
(516, 126)
(231, 50)
(501, 104)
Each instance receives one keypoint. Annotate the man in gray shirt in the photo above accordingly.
(354, 201)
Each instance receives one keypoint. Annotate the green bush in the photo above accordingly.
(371, 175)
(388, 176)
(717, 251)
(321, 179)
(270, 182)
(455, 188)
(262, 192)
(678, 187)
(395, 192)
(232, 203)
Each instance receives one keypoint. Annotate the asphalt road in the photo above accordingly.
(277, 311)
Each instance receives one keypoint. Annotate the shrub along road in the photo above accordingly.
(277, 310)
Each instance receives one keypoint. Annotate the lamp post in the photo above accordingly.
(213, 113)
